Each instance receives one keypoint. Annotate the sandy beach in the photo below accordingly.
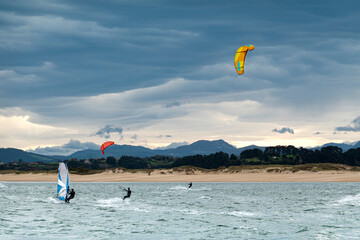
(170, 176)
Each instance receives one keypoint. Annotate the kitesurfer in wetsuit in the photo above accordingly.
(71, 195)
(128, 193)
(190, 184)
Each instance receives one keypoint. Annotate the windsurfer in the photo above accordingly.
(71, 195)
(190, 184)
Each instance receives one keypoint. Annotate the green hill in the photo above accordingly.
(12, 154)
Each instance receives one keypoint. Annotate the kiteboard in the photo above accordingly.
(63, 182)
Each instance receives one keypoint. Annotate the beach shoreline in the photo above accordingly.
(197, 176)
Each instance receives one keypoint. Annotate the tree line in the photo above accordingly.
(283, 155)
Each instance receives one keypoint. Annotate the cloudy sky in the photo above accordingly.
(152, 73)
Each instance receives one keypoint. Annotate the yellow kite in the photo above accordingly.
(240, 55)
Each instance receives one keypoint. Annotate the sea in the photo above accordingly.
(30, 210)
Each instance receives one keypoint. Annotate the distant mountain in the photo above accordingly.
(114, 150)
(357, 145)
(172, 145)
(202, 147)
(251, 147)
(12, 154)
(343, 146)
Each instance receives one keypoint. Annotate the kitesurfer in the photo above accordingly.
(128, 193)
(190, 184)
(71, 195)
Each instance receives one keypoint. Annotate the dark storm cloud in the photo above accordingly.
(164, 136)
(128, 44)
(173, 104)
(106, 131)
(284, 130)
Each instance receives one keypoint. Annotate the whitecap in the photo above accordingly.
(52, 200)
(239, 214)
(205, 197)
(2, 185)
(179, 188)
(111, 202)
(349, 200)
(190, 189)
(139, 209)
(200, 189)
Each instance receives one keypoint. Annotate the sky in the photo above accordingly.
(74, 74)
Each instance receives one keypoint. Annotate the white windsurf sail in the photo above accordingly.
(63, 182)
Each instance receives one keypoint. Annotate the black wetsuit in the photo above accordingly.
(128, 194)
(190, 185)
(71, 196)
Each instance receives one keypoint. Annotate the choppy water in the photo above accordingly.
(171, 211)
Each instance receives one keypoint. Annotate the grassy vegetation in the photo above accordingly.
(160, 162)
(316, 167)
(84, 171)
(191, 169)
(13, 171)
(311, 167)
